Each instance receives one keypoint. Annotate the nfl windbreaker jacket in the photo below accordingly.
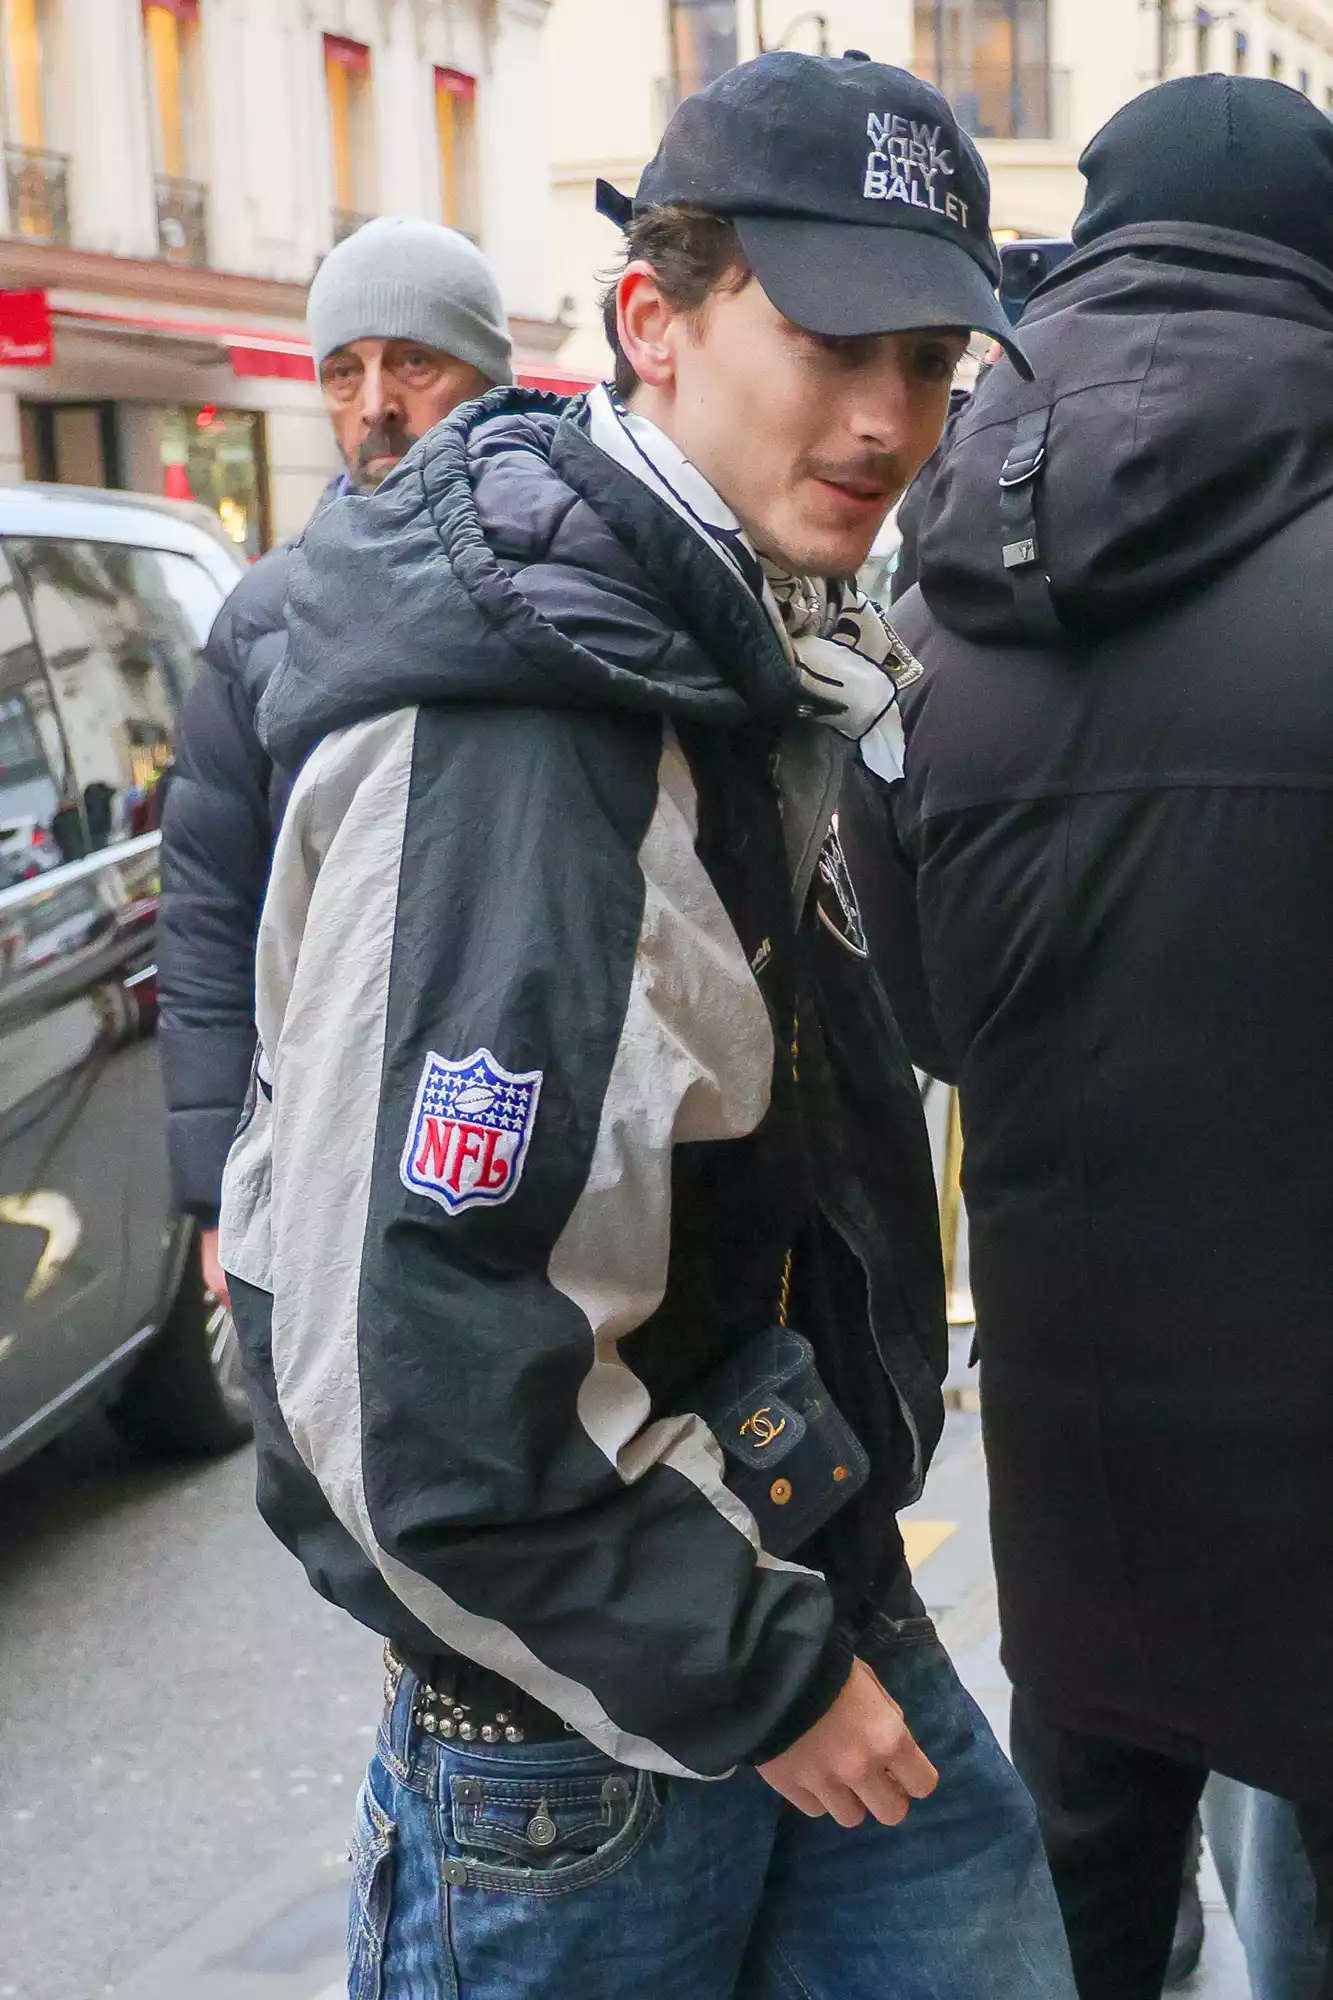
(567, 1042)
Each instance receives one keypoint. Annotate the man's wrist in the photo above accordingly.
(816, 1698)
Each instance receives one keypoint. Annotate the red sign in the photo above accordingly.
(25, 330)
(457, 82)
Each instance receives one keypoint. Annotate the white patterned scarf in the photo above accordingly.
(839, 643)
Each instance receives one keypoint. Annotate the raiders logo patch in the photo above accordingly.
(468, 1137)
(835, 901)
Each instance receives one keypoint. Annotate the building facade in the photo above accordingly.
(175, 169)
(1032, 79)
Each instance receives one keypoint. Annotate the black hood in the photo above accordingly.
(1189, 374)
(508, 560)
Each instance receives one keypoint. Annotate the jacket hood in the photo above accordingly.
(1189, 375)
(508, 560)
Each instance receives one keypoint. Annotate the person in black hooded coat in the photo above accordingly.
(1109, 917)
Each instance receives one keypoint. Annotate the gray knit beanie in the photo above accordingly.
(395, 279)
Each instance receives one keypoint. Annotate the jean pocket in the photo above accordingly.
(547, 1832)
(371, 1857)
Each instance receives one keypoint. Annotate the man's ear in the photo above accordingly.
(644, 321)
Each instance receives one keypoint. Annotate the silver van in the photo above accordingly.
(105, 602)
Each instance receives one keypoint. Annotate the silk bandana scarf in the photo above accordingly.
(838, 642)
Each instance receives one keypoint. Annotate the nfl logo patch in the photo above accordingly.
(469, 1133)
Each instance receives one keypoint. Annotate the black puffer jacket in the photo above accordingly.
(1118, 837)
(223, 807)
(530, 1143)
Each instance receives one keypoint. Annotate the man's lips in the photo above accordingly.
(856, 493)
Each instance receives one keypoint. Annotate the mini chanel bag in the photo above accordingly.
(791, 1455)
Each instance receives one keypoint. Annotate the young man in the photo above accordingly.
(579, 1112)
(1117, 873)
(406, 323)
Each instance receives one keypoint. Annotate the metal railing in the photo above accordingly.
(38, 185)
(182, 220)
(1025, 101)
(346, 222)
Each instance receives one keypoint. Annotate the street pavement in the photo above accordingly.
(183, 1724)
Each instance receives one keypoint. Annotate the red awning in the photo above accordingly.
(456, 82)
(559, 381)
(341, 49)
(297, 365)
(254, 351)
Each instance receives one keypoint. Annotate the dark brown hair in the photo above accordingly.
(693, 253)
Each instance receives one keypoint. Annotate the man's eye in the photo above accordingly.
(935, 364)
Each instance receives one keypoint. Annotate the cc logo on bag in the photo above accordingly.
(762, 1428)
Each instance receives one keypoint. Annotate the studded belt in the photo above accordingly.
(466, 1703)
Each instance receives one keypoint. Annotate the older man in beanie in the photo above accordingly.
(406, 323)
(1114, 878)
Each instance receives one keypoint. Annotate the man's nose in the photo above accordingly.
(899, 419)
(379, 396)
(883, 414)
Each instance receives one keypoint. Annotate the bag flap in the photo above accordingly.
(743, 1403)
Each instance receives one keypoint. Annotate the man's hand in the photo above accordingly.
(858, 1758)
(215, 1278)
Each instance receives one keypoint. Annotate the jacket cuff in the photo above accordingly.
(817, 1697)
(197, 1144)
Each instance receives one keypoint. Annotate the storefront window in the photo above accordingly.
(217, 457)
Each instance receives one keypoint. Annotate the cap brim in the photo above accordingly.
(854, 278)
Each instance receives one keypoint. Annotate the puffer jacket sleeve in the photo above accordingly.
(216, 841)
(497, 989)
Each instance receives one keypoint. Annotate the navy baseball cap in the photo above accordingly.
(861, 204)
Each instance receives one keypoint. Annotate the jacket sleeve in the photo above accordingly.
(215, 855)
(498, 989)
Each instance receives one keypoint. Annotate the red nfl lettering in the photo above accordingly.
(433, 1159)
(449, 1148)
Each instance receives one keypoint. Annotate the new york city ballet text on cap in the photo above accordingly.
(907, 163)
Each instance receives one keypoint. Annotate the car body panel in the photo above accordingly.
(104, 605)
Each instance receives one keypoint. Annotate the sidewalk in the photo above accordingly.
(281, 1936)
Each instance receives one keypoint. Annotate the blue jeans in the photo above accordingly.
(1261, 1860)
(671, 1889)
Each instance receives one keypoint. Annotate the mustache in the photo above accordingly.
(389, 439)
(876, 471)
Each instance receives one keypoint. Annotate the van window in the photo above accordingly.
(121, 630)
(39, 816)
